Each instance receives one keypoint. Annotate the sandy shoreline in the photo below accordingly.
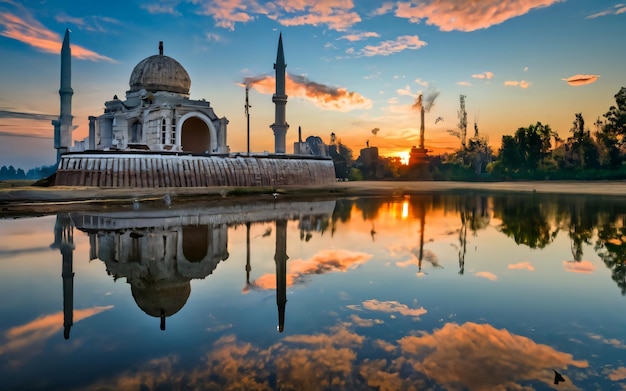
(34, 196)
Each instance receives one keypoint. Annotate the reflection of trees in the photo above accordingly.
(369, 207)
(611, 247)
(474, 213)
(579, 218)
(525, 219)
(310, 224)
(533, 220)
(343, 208)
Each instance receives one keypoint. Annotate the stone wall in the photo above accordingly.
(161, 170)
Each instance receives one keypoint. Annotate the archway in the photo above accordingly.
(195, 135)
(195, 242)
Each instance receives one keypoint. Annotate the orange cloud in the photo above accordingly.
(581, 80)
(583, 267)
(335, 14)
(33, 33)
(481, 357)
(618, 374)
(515, 83)
(521, 266)
(323, 96)
(464, 83)
(360, 36)
(451, 15)
(385, 48)
(28, 338)
(393, 307)
(228, 12)
(326, 261)
(488, 275)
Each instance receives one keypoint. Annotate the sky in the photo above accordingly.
(354, 68)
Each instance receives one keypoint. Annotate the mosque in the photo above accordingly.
(158, 137)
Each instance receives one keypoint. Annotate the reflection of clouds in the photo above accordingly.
(488, 275)
(364, 322)
(393, 307)
(414, 253)
(608, 341)
(618, 374)
(583, 267)
(31, 336)
(469, 356)
(481, 357)
(384, 345)
(326, 261)
(379, 378)
(522, 266)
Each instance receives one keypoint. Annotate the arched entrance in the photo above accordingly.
(195, 242)
(195, 136)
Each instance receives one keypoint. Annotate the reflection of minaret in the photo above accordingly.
(280, 257)
(248, 267)
(63, 125)
(280, 124)
(422, 226)
(64, 241)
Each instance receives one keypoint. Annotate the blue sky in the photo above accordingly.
(355, 67)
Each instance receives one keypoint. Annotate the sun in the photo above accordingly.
(404, 158)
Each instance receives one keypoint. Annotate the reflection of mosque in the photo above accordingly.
(160, 251)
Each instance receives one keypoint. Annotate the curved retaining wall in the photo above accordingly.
(159, 170)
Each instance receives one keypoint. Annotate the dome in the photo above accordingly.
(162, 298)
(160, 73)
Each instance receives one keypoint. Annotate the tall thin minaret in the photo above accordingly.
(63, 125)
(280, 125)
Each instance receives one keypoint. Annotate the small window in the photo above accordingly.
(163, 131)
(173, 140)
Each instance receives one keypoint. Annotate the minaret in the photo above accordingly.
(280, 257)
(280, 125)
(422, 126)
(63, 125)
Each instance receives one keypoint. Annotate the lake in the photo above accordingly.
(442, 291)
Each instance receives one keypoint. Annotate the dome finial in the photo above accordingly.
(161, 48)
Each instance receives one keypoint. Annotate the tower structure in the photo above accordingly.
(63, 125)
(280, 125)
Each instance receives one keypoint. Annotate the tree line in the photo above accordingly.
(12, 173)
(537, 151)
(532, 152)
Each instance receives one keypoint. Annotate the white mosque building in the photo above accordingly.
(158, 137)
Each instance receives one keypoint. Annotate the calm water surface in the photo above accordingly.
(458, 292)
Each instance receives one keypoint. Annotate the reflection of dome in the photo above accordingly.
(168, 297)
(160, 73)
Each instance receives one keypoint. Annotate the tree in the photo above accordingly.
(581, 150)
(479, 153)
(613, 133)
